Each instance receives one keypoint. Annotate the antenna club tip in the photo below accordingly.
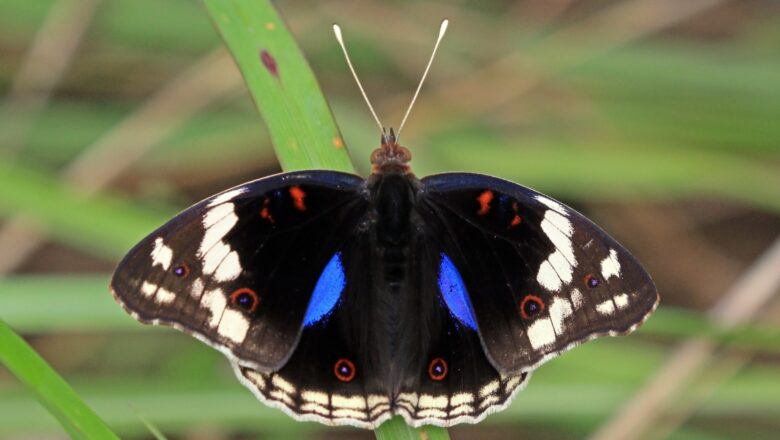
(337, 30)
(444, 24)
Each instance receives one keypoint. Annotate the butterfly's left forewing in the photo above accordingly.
(238, 270)
(540, 277)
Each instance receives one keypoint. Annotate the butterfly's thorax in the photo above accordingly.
(393, 196)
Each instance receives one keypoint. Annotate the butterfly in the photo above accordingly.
(346, 300)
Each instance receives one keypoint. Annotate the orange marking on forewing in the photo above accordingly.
(264, 212)
(484, 200)
(516, 221)
(298, 195)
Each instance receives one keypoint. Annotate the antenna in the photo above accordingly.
(442, 30)
(337, 31)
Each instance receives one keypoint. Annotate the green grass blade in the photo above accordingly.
(282, 85)
(51, 390)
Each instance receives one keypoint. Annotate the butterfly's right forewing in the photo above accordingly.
(540, 277)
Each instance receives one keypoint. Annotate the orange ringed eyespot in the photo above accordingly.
(591, 280)
(344, 370)
(437, 369)
(530, 306)
(181, 270)
(245, 298)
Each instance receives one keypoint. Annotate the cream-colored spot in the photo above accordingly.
(513, 383)
(430, 401)
(541, 333)
(164, 296)
(409, 397)
(282, 384)
(621, 301)
(227, 196)
(233, 325)
(316, 397)
(379, 409)
(217, 223)
(560, 264)
(488, 389)
(552, 204)
(148, 289)
(610, 266)
(461, 398)
(197, 288)
(161, 254)
(606, 308)
(489, 401)
(463, 409)
(405, 405)
(256, 377)
(215, 302)
(282, 396)
(352, 402)
(559, 310)
(229, 269)
(377, 399)
(558, 221)
(576, 298)
(214, 257)
(547, 278)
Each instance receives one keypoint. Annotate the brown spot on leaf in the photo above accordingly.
(269, 62)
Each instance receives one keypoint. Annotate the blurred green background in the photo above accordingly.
(659, 119)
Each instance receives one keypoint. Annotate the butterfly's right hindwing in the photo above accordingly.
(238, 270)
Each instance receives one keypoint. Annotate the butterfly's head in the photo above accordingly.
(390, 157)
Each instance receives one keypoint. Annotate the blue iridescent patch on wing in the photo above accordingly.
(454, 293)
(326, 292)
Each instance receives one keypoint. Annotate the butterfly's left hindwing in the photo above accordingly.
(238, 270)
(337, 374)
(540, 277)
